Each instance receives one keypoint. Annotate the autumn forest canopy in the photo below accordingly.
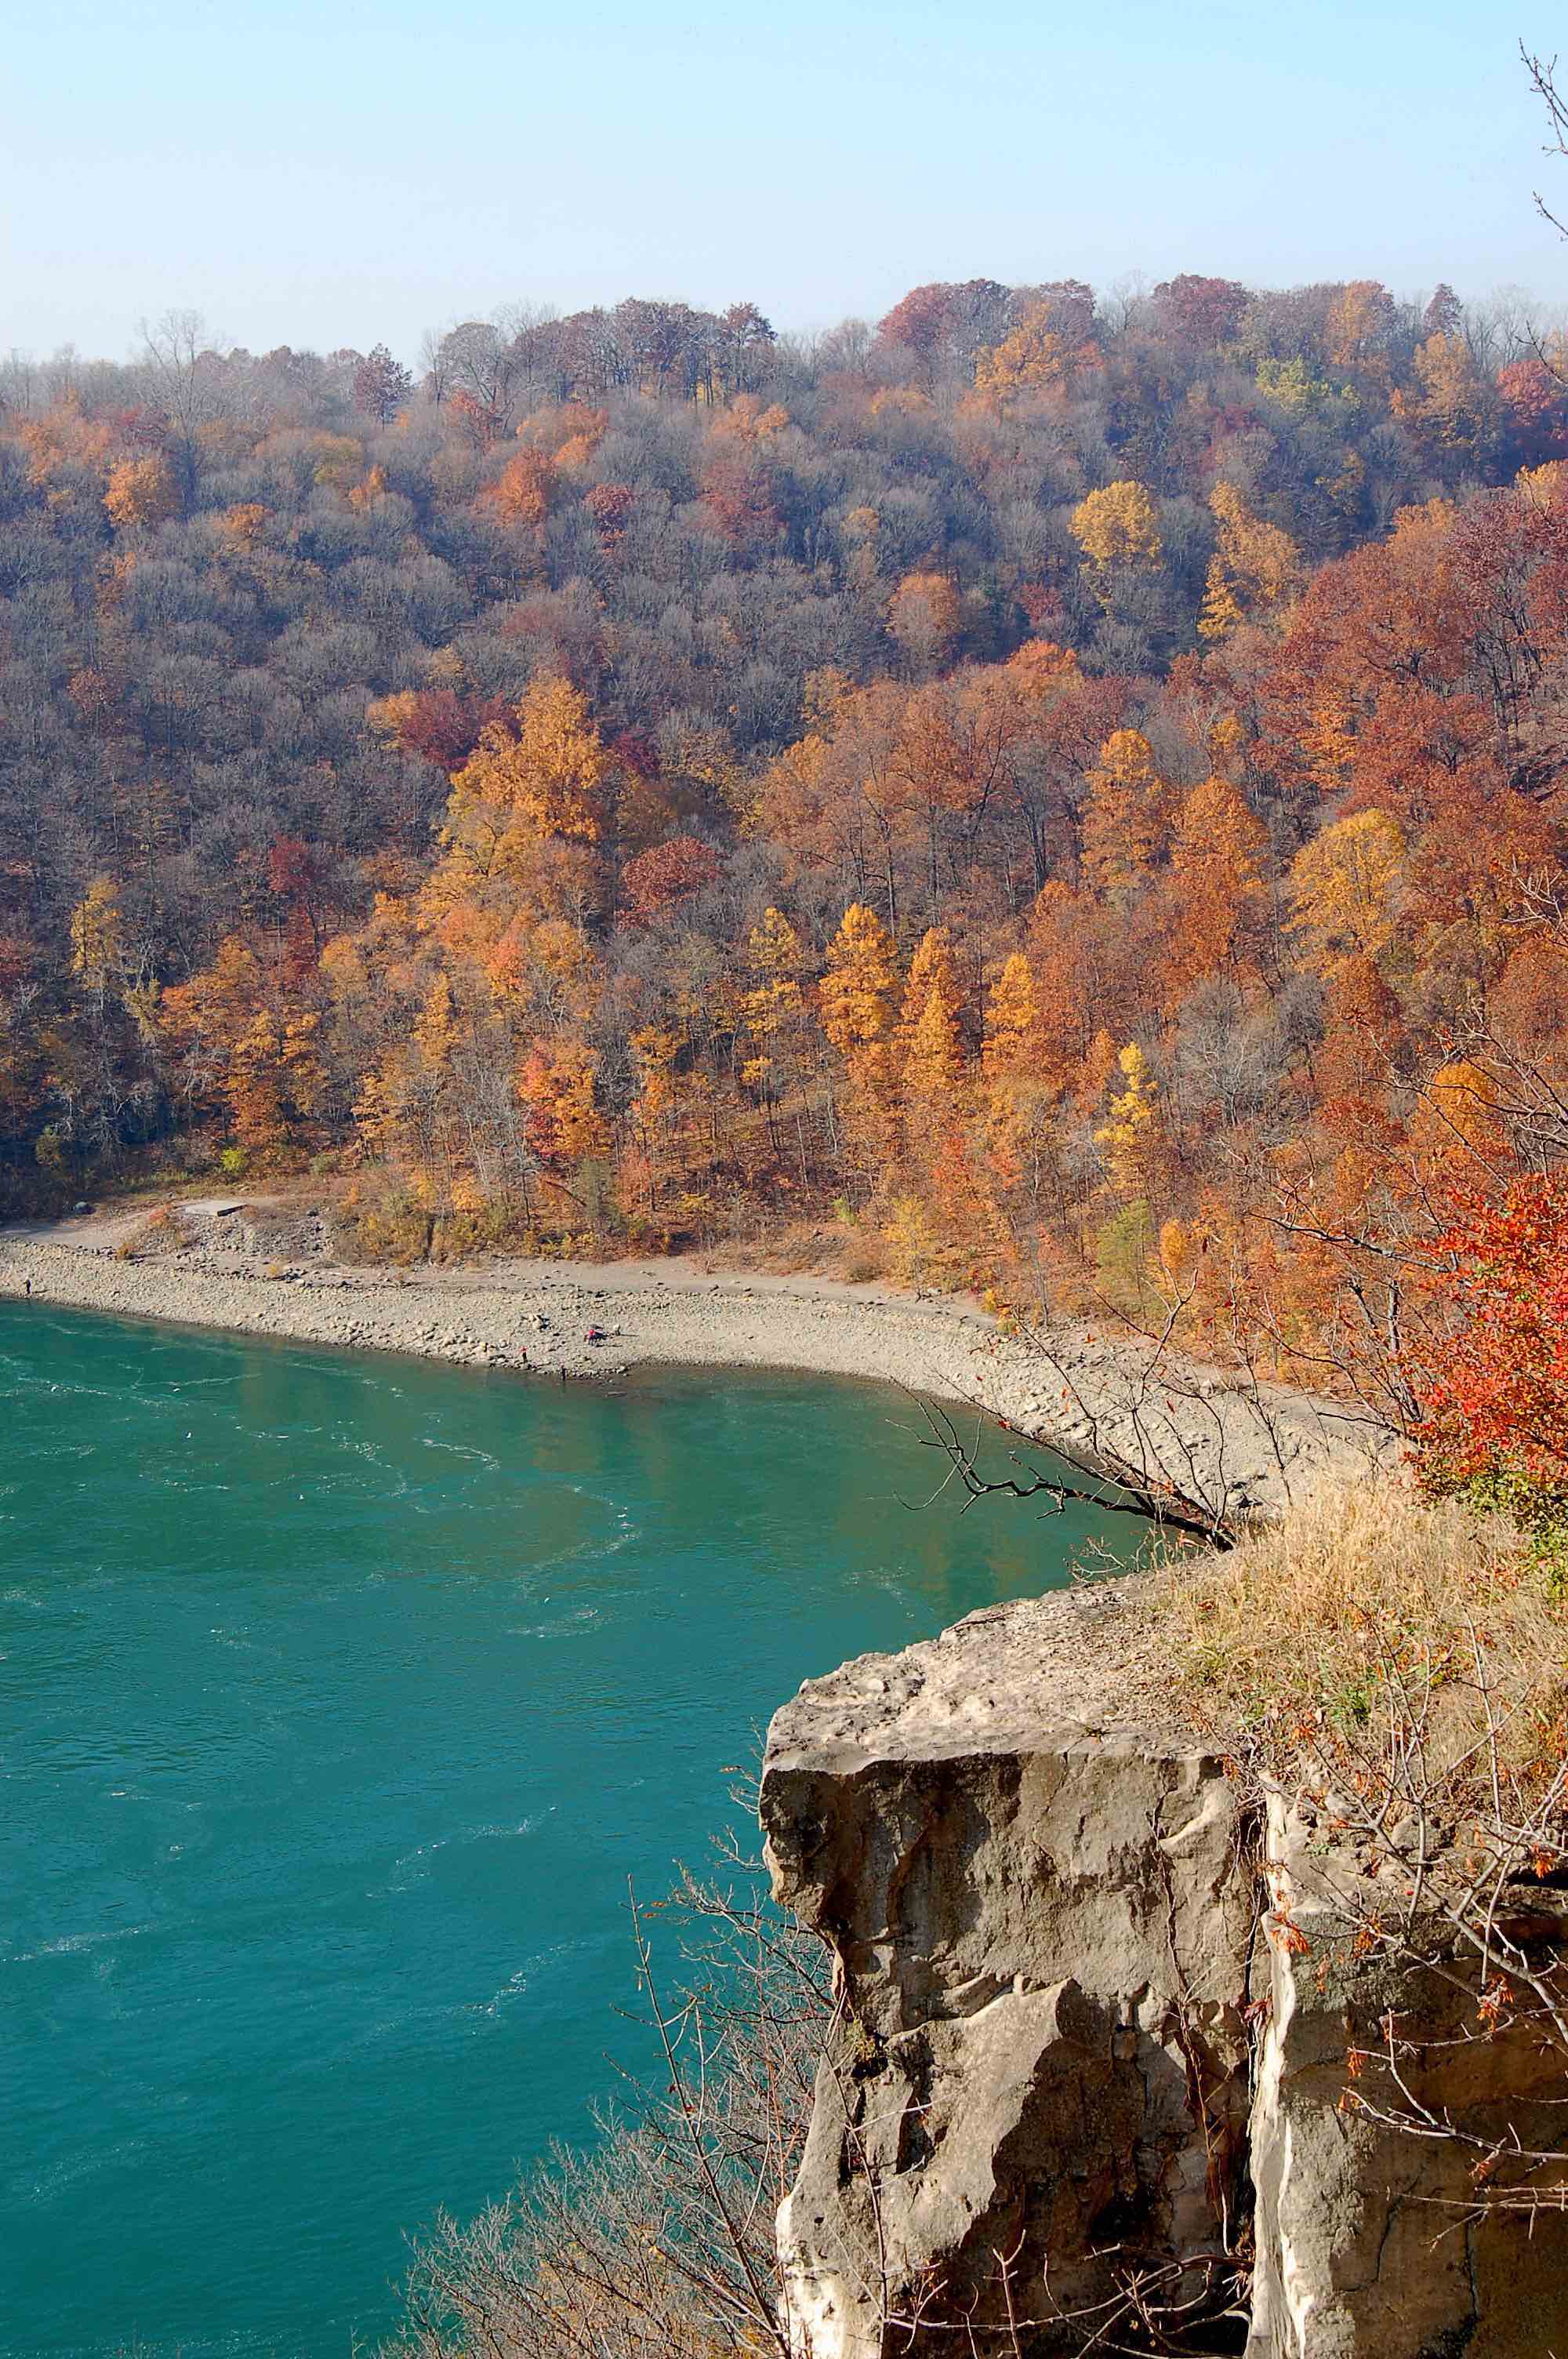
(1057, 795)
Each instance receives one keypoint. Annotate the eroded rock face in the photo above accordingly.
(1074, 2052)
(1370, 2240)
(1043, 1940)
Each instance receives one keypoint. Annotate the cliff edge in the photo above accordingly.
(1099, 2001)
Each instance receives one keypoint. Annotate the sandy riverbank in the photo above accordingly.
(583, 1321)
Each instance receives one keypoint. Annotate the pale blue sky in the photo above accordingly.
(326, 175)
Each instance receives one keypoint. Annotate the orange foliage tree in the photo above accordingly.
(1495, 1387)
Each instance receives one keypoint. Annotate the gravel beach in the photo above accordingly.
(548, 1320)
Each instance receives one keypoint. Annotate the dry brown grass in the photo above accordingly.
(1300, 1628)
(163, 1231)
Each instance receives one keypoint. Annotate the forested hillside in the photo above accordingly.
(1062, 795)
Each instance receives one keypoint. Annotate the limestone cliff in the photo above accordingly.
(1077, 2072)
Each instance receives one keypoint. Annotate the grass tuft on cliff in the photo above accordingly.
(1369, 1593)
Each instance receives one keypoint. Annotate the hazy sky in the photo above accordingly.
(343, 173)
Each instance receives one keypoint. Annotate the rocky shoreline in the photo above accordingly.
(240, 1271)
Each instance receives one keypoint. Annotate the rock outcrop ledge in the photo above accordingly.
(1078, 2066)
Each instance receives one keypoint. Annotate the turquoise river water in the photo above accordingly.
(338, 1698)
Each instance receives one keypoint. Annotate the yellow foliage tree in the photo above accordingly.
(933, 1088)
(1453, 406)
(1343, 885)
(1543, 487)
(855, 1001)
(1356, 323)
(1175, 1263)
(930, 1042)
(1255, 568)
(772, 948)
(141, 492)
(933, 1061)
(1010, 1018)
(524, 799)
(857, 994)
(1009, 1061)
(98, 938)
(655, 1049)
(1118, 525)
(1124, 823)
(1291, 383)
(1458, 1122)
(914, 1250)
(552, 774)
(751, 419)
(259, 1056)
(1130, 1130)
(655, 1111)
(773, 1004)
(1031, 359)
